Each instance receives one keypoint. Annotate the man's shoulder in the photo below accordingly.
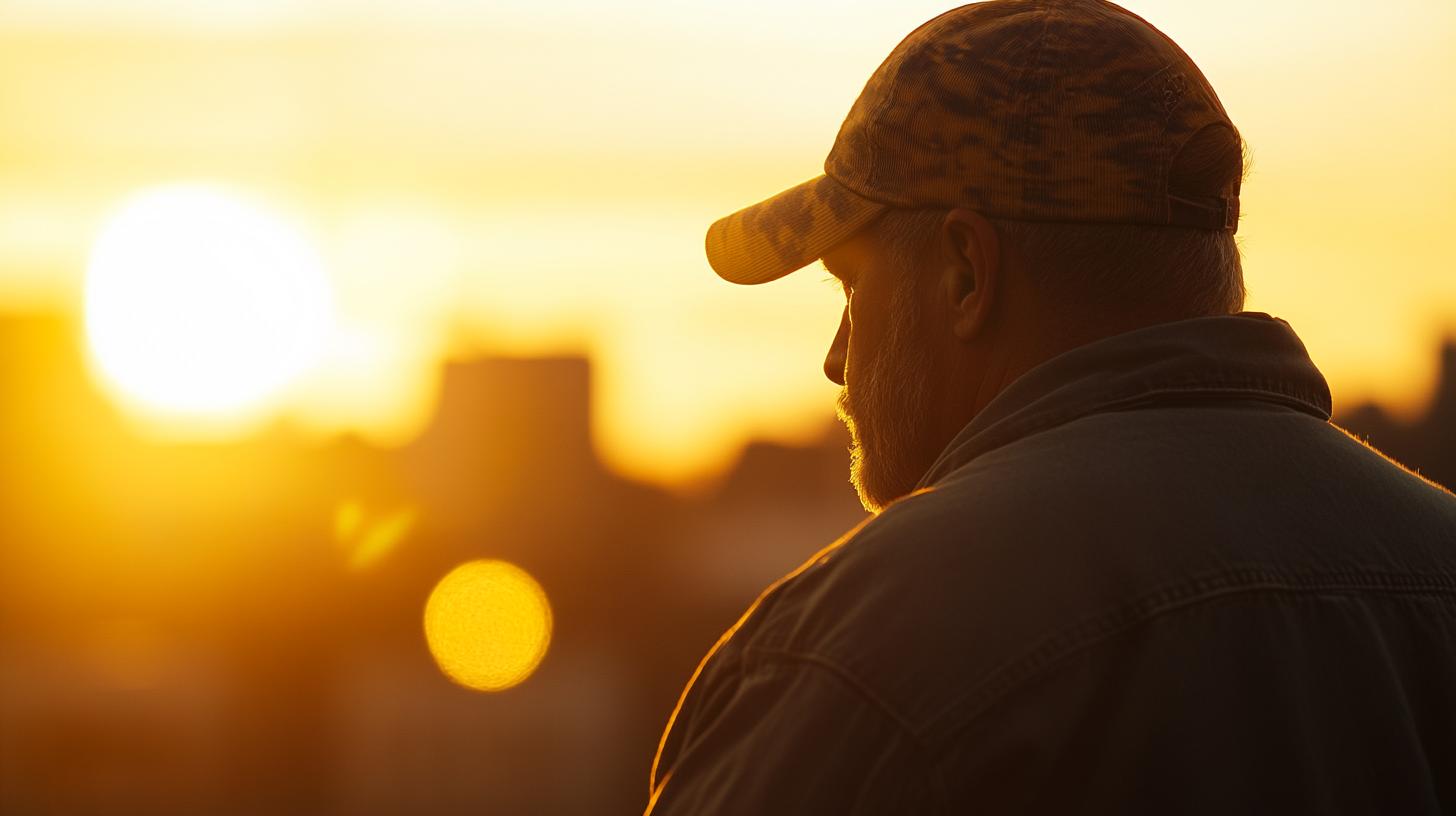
(916, 604)
(1034, 547)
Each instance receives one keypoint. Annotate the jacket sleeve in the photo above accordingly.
(791, 735)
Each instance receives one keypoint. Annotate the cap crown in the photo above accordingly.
(1039, 110)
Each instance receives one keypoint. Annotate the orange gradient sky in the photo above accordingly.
(515, 178)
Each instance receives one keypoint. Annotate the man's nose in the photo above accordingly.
(838, 352)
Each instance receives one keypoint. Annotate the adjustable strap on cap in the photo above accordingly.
(1220, 213)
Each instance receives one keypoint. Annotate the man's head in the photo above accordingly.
(1018, 178)
(946, 307)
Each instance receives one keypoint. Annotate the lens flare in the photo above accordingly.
(488, 625)
(365, 540)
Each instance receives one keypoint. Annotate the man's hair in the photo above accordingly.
(1087, 269)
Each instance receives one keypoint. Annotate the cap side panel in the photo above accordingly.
(1039, 190)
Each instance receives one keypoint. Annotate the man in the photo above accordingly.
(1121, 560)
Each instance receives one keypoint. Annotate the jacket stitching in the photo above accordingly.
(1061, 645)
(766, 656)
(751, 656)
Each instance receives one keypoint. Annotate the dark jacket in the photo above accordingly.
(1150, 577)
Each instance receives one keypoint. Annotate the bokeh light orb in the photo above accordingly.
(202, 302)
(488, 625)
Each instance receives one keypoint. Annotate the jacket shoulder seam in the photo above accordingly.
(844, 676)
(1051, 651)
(861, 689)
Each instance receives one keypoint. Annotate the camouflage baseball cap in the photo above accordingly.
(1029, 110)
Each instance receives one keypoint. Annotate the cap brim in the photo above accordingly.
(793, 229)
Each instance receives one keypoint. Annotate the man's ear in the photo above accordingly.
(972, 270)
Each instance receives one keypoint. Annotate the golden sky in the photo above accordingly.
(512, 177)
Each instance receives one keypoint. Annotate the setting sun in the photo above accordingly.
(202, 305)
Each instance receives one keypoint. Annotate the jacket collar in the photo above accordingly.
(1246, 355)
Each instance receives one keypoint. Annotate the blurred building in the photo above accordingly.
(1427, 444)
(185, 629)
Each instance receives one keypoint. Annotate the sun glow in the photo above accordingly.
(202, 306)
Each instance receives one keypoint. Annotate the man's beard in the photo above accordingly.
(885, 411)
